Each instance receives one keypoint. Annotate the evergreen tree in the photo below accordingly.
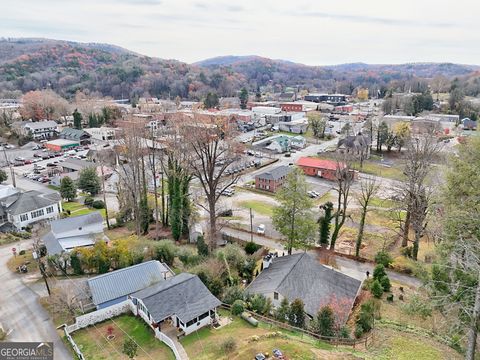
(324, 224)
(3, 176)
(211, 101)
(176, 211)
(258, 94)
(92, 121)
(382, 135)
(243, 98)
(325, 322)
(281, 313)
(89, 181)
(296, 315)
(145, 214)
(77, 120)
(68, 189)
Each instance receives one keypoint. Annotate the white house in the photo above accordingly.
(182, 302)
(21, 209)
(39, 130)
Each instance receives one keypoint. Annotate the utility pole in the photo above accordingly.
(41, 265)
(12, 173)
(251, 225)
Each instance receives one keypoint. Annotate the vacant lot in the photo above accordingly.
(94, 345)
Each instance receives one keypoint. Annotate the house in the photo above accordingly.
(291, 106)
(273, 179)
(298, 142)
(104, 133)
(61, 144)
(71, 165)
(318, 167)
(70, 233)
(39, 130)
(80, 136)
(299, 276)
(297, 126)
(114, 287)
(18, 210)
(181, 301)
(355, 144)
(278, 144)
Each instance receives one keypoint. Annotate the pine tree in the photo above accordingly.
(324, 224)
(89, 181)
(68, 189)
(77, 120)
(243, 98)
(92, 121)
(325, 323)
(296, 315)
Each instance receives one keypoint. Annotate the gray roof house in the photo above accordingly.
(22, 209)
(301, 276)
(81, 136)
(183, 299)
(271, 180)
(71, 165)
(79, 231)
(114, 287)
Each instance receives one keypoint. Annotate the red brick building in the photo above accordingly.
(291, 107)
(320, 167)
(272, 180)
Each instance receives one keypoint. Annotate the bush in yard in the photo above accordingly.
(385, 282)
(281, 313)
(233, 254)
(251, 247)
(88, 201)
(22, 252)
(384, 258)
(130, 348)
(296, 315)
(165, 251)
(344, 332)
(229, 345)
(379, 272)
(233, 293)
(188, 256)
(325, 322)
(249, 268)
(202, 247)
(98, 204)
(376, 289)
(257, 303)
(366, 316)
(238, 307)
(359, 331)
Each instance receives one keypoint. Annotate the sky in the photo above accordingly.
(310, 32)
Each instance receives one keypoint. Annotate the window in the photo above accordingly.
(275, 296)
(203, 316)
(24, 217)
(49, 209)
(37, 213)
(191, 322)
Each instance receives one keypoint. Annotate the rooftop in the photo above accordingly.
(318, 163)
(62, 142)
(275, 173)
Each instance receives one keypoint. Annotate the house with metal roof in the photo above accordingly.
(74, 232)
(182, 302)
(114, 287)
(273, 179)
(299, 276)
(81, 136)
(18, 210)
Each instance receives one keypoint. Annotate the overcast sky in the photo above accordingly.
(312, 32)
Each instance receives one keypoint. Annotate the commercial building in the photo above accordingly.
(273, 179)
(61, 144)
(318, 167)
(328, 98)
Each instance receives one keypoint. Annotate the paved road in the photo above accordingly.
(350, 267)
(20, 311)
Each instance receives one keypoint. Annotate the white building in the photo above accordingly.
(102, 133)
(39, 130)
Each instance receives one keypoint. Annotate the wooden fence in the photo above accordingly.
(365, 341)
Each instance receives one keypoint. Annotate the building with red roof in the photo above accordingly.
(320, 167)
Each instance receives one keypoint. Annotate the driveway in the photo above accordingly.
(20, 312)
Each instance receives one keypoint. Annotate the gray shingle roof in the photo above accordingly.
(183, 295)
(76, 164)
(23, 202)
(52, 244)
(40, 124)
(61, 225)
(73, 134)
(301, 276)
(275, 173)
(126, 281)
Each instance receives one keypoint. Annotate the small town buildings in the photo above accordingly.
(273, 179)
(114, 287)
(297, 126)
(71, 165)
(291, 106)
(182, 302)
(80, 136)
(102, 133)
(327, 98)
(318, 167)
(56, 179)
(300, 276)
(61, 144)
(74, 232)
(355, 144)
(38, 130)
(18, 210)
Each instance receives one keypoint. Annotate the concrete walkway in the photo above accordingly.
(172, 332)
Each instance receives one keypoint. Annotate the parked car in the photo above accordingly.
(260, 356)
(51, 164)
(311, 194)
(37, 155)
(39, 167)
(261, 229)
(18, 163)
(28, 161)
(19, 158)
(277, 354)
(228, 192)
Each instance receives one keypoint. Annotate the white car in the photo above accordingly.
(261, 229)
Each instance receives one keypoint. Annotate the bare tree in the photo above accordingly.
(212, 150)
(344, 178)
(368, 189)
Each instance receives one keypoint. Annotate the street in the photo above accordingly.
(20, 312)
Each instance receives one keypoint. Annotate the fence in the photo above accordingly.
(73, 343)
(169, 342)
(332, 340)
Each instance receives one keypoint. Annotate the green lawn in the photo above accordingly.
(384, 203)
(258, 206)
(378, 169)
(94, 345)
(77, 209)
(206, 344)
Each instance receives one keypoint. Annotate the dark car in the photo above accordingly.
(51, 156)
(51, 164)
(27, 162)
(37, 155)
(18, 163)
(57, 154)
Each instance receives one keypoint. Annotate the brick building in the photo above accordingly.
(273, 179)
(319, 167)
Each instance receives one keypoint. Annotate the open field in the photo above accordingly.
(77, 209)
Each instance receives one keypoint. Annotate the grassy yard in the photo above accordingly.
(94, 345)
(258, 206)
(15, 261)
(77, 209)
(374, 168)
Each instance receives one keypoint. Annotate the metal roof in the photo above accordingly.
(275, 173)
(183, 295)
(126, 281)
(301, 276)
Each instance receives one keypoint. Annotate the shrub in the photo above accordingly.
(130, 348)
(384, 258)
(165, 252)
(22, 252)
(281, 313)
(417, 306)
(407, 251)
(379, 272)
(232, 293)
(238, 307)
(188, 256)
(229, 345)
(325, 321)
(385, 282)
(257, 303)
(233, 254)
(359, 331)
(98, 204)
(344, 332)
(202, 247)
(251, 248)
(365, 317)
(377, 289)
(88, 201)
(296, 315)
(390, 298)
